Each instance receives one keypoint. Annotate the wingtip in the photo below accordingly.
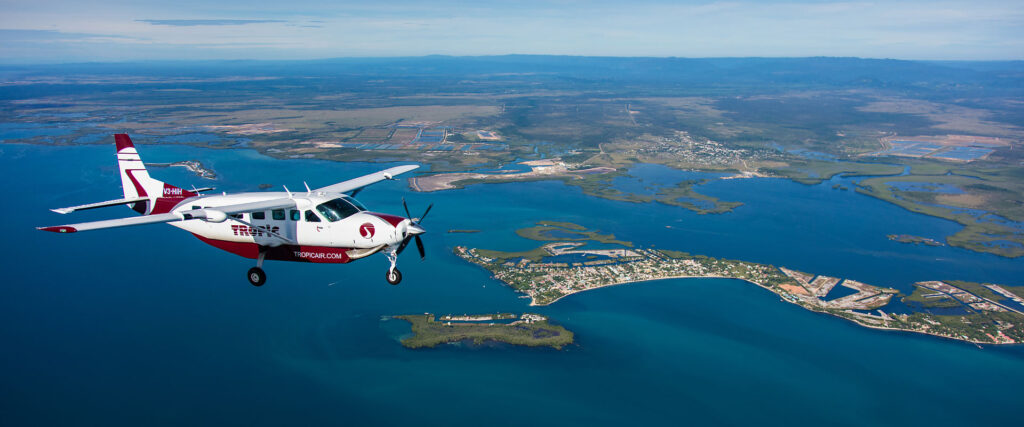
(58, 229)
(63, 211)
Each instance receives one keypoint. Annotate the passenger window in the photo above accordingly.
(311, 217)
(259, 215)
(278, 214)
(195, 207)
(296, 215)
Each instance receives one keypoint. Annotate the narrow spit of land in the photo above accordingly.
(194, 166)
(987, 313)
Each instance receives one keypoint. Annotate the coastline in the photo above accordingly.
(853, 320)
(981, 319)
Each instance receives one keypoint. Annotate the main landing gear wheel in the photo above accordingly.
(393, 276)
(257, 277)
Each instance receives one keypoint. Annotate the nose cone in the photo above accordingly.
(415, 229)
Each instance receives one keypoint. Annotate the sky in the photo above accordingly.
(55, 31)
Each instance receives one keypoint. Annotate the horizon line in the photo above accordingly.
(331, 58)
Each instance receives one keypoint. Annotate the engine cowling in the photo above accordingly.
(213, 215)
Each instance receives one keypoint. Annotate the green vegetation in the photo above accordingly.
(906, 238)
(978, 326)
(815, 172)
(980, 290)
(682, 194)
(981, 232)
(532, 331)
(535, 254)
(940, 301)
(565, 225)
(565, 231)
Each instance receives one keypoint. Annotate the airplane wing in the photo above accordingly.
(211, 214)
(356, 184)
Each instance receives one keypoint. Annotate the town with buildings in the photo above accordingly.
(981, 314)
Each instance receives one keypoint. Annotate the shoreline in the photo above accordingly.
(533, 303)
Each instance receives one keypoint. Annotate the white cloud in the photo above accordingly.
(902, 29)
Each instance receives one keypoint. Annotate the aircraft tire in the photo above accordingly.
(256, 276)
(393, 276)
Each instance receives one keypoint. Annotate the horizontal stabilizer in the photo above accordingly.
(100, 205)
(113, 223)
(212, 214)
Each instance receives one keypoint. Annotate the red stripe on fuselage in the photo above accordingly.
(391, 219)
(297, 253)
(176, 196)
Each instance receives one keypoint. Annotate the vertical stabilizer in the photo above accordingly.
(136, 182)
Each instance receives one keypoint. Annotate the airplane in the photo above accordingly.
(325, 225)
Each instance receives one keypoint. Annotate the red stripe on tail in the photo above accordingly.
(123, 141)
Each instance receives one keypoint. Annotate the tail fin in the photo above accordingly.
(136, 182)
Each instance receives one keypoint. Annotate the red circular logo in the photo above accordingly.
(366, 230)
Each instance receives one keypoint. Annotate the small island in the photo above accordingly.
(917, 240)
(194, 166)
(532, 330)
(977, 313)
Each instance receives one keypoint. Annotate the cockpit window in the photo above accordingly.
(356, 203)
(337, 209)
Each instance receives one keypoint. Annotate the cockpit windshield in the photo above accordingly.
(338, 209)
(356, 203)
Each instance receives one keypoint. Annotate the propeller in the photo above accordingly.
(414, 222)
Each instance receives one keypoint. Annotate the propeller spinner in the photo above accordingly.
(414, 230)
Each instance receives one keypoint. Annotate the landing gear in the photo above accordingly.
(393, 276)
(256, 275)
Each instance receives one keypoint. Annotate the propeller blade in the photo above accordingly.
(407, 215)
(401, 247)
(426, 211)
(419, 246)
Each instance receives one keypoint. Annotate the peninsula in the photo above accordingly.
(530, 329)
(539, 170)
(194, 166)
(989, 314)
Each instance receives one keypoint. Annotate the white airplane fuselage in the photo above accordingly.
(303, 233)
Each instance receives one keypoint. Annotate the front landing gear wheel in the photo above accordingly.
(257, 277)
(393, 276)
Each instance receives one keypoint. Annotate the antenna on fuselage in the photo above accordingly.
(308, 191)
(286, 191)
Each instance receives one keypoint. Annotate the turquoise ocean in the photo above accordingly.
(148, 326)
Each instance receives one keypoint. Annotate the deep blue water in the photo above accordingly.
(147, 326)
